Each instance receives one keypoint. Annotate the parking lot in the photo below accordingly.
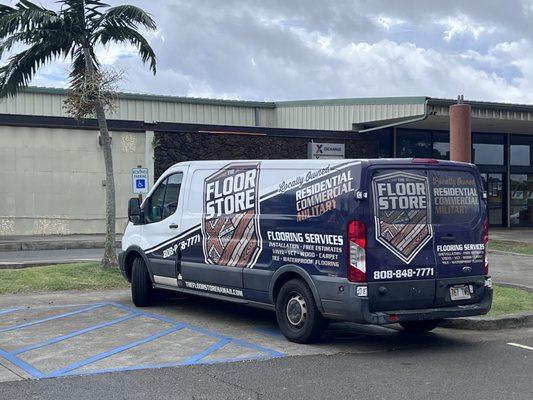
(63, 334)
(45, 341)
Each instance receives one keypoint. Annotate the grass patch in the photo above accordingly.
(87, 276)
(513, 247)
(509, 300)
(78, 276)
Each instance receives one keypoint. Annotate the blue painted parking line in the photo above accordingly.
(211, 349)
(9, 310)
(74, 368)
(39, 321)
(114, 351)
(272, 353)
(21, 364)
(75, 333)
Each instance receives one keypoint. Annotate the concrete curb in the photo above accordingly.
(509, 321)
(57, 243)
(29, 264)
(515, 286)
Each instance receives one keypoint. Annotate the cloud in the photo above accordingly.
(280, 50)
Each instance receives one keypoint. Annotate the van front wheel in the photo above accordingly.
(141, 285)
(297, 314)
(420, 326)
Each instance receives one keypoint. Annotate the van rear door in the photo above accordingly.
(458, 219)
(400, 256)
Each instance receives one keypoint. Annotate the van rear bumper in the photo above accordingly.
(344, 304)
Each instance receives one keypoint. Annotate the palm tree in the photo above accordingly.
(72, 33)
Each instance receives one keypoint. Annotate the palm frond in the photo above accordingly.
(120, 34)
(127, 15)
(21, 68)
(25, 16)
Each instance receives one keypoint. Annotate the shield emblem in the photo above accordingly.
(230, 222)
(402, 213)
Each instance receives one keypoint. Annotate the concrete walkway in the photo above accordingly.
(510, 268)
(53, 242)
(33, 258)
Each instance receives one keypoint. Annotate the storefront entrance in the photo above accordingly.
(494, 185)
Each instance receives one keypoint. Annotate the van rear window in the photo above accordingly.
(455, 196)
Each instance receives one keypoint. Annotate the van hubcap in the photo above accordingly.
(296, 310)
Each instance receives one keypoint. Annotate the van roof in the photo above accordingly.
(306, 162)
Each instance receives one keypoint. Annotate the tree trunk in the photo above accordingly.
(110, 255)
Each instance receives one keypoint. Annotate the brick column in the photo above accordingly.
(460, 132)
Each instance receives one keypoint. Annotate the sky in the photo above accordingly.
(277, 50)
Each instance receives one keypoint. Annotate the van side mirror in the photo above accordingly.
(134, 211)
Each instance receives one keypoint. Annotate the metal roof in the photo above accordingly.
(162, 98)
(353, 101)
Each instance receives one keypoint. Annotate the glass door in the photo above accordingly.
(521, 199)
(493, 185)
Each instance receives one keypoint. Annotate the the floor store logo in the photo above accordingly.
(230, 223)
(402, 210)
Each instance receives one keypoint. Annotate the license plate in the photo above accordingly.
(460, 292)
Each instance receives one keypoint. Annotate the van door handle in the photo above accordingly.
(173, 226)
(448, 238)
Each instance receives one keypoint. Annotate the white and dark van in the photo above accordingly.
(371, 241)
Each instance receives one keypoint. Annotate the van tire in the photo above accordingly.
(311, 323)
(141, 285)
(420, 326)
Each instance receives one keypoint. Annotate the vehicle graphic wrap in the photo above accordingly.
(271, 218)
(402, 213)
(230, 222)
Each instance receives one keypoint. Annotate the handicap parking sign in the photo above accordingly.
(140, 180)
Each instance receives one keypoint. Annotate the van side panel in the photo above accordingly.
(303, 218)
(244, 220)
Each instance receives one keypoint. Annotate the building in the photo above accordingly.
(52, 169)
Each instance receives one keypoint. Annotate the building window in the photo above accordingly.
(521, 199)
(441, 145)
(383, 139)
(488, 149)
(521, 151)
(413, 143)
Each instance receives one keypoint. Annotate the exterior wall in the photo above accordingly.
(176, 147)
(52, 179)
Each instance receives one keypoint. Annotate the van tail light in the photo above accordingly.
(357, 252)
(486, 242)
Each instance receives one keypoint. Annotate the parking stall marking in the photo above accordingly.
(111, 352)
(74, 334)
(40, 321)
(522, 346)
(242, 350)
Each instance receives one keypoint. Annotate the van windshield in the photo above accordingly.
(454, 196)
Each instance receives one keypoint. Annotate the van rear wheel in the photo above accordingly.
(420, 326)
(298, 317)
(141, 285)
